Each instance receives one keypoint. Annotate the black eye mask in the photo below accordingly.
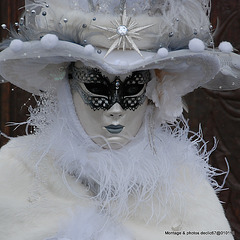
(98, 92)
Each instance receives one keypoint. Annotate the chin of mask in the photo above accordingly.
(110, 108)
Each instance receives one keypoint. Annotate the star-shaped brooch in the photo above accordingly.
(125, 32)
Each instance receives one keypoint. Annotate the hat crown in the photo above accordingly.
(153, 23)
(151, 7)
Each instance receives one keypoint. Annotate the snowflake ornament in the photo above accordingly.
(125, 32)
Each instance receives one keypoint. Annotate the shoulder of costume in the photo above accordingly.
(19, 168)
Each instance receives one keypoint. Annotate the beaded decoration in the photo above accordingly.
(98, 92)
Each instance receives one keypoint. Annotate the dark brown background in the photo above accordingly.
(218, 112)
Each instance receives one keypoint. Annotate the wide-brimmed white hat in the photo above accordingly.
(119, 36)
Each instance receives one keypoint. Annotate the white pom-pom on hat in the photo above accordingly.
(89, 49)
(16, 45)
(49, 41)
(196, 45)
(225, 47)
(162, 52)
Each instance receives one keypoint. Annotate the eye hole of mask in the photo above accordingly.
(97, 88)
(132, 89)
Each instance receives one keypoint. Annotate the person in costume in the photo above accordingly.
(111, 156)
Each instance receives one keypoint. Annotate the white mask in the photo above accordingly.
(111, 109)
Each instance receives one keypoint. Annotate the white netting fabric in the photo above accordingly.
(173, 22)
(135, 7)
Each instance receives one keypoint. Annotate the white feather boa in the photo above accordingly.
(146, 169)
(148, 178)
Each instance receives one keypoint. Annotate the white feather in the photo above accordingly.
(114, 174)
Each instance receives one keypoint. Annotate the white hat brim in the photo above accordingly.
(35, 68)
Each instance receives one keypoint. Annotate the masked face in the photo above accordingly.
(110, 108)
